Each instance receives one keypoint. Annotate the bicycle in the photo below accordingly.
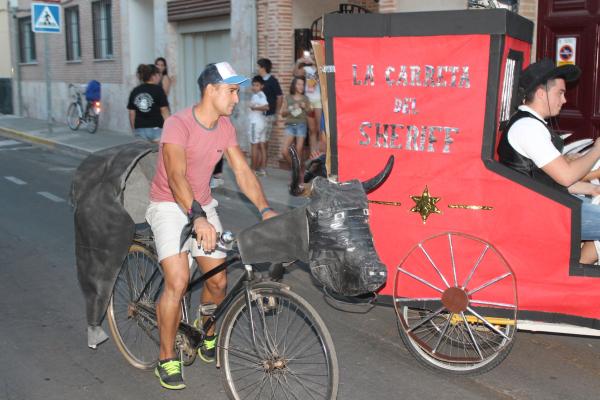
(76, 114)
(271, 341)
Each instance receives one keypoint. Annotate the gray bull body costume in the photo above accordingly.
(104, 228)
(110, 195)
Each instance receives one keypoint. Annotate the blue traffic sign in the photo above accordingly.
(45, 17)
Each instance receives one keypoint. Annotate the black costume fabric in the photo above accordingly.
(341, 252)
(103, 228)
(283, 238)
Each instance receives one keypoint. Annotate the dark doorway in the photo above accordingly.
(577, 19)
(6, 106)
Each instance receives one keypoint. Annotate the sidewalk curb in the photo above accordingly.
(30, 138)
(14, 134)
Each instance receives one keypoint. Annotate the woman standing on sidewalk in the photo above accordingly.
(295, 108)
(165, 80)
(305, 67)
(148, 105)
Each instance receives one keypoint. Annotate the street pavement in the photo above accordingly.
(42, 333)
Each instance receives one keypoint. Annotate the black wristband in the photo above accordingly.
(196, 211)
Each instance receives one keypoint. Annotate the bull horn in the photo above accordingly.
(378, 180)
(295, 188)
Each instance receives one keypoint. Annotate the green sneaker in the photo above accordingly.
(169, 373)
(208, 349)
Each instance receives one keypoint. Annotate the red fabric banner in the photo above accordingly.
(423, 99)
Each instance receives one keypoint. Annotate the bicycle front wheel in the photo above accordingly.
(274, 345)
(132, 322)
(73, 116)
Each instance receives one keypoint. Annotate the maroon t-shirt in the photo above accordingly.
(203, 149)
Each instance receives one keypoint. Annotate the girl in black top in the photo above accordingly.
(148, 105)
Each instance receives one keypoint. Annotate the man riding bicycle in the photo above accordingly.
(192, 143)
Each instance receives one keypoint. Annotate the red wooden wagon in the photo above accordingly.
(474, 250)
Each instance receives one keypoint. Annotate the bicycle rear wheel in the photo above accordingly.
(133, 323)
(92, 121)
(73, 116)
(279, 348)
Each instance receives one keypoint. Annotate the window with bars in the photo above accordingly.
(102, 25)
(509, 97)
(73, 43)
(26, 41)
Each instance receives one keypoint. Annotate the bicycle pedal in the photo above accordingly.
(207, 309)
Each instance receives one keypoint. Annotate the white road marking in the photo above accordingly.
(50, 196)
(8, 143)
(15, 180)
(61, 169)
(15, 148)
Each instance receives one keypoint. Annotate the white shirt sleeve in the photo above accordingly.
(262, 99)
(531, 139)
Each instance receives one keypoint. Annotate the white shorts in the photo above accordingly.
(167, 220)
(257, 132)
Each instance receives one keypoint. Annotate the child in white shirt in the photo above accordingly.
(257, 130)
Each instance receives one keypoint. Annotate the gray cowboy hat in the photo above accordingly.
(540, 72)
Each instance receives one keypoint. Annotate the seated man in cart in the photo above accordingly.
(528, 145)
(193, 141)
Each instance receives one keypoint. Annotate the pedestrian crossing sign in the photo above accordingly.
(45, 17)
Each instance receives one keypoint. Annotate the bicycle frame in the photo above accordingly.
(195, 335)
(266, 328)
(76, 97)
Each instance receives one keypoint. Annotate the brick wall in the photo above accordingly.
(276, 42)
(109, 72)
(387, 6)
(370, 5)
(529, 9)
(105, 71)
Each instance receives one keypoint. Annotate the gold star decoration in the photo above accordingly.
(425, 204)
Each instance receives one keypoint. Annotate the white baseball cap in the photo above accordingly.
(221, 72)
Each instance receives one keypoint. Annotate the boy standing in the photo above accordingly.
(272, 90)
(257, 130)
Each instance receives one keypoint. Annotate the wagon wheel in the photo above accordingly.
(456, 301)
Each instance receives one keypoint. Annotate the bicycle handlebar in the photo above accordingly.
(227, 237)
(225, 240)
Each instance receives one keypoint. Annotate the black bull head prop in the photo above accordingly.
(331, 233)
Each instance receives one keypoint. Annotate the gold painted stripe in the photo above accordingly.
(386, 203)
(470, 207)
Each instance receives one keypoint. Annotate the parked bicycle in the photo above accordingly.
(271, 342)
(77, 114)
